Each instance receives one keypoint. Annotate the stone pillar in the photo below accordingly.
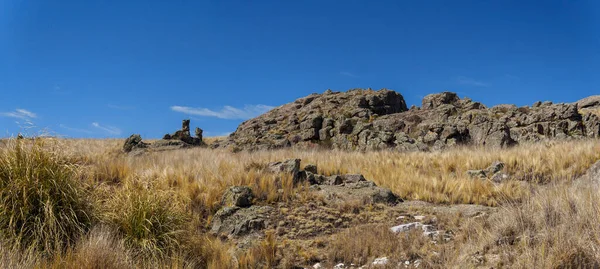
(199, 133)
(185, 127)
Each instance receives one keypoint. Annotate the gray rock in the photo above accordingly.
(311, 168)
(362, 192)
(435, 100)
(134, 142)
(500, 177)
(493, 172)
(496, 167)
(476, 174)
(334, 180)
(237, 221)
(291, 166)
(240, 196)
(590, 101)
(352, 178)
(592, 175)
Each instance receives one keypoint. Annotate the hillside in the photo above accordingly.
(375, 120)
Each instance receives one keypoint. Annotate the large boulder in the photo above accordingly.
(291, 167)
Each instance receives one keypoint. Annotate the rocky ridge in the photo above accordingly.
(377, 120)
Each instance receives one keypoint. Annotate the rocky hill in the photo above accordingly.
(376, 120)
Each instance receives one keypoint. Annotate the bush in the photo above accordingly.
(150, 221)
(43, 205)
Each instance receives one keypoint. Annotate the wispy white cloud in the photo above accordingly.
(227, 112)
(78, 130)
(108, 129)
(19, 114)
(348, 74)
(471, 82)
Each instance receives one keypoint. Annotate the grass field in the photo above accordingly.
(82, 204)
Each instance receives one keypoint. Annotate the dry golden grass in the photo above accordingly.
(556, 228)
(172, 229)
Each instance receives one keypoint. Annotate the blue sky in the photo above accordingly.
(112, 68)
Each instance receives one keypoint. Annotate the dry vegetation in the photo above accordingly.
(83, 204)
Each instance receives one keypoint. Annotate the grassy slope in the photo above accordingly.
(154, 209)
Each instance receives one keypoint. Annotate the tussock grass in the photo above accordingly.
(262, 255)
(556, 228)
(43, 205)
(150, 221)
(100, 249)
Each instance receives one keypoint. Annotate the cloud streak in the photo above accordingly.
(108, 129)
(227, 112)
(471, 82)
(19, 114)
(348, 74)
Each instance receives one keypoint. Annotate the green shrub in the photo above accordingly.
(43, 205)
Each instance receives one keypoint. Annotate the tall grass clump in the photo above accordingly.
(43, 204)
(150, 221)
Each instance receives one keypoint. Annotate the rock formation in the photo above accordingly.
(179, 139)
(134, 142)
(184, 135)
(376, 120)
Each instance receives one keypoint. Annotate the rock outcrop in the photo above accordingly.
(134, 142)
(239, 216)
(184, 135)
(177, 140)
(336, 187)
(376, 120)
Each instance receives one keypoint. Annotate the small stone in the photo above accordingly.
(311, 168)
(339, 266)
(381, 261)
(496, 167)
(476, 174)
(405, 227)
(419, 217)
